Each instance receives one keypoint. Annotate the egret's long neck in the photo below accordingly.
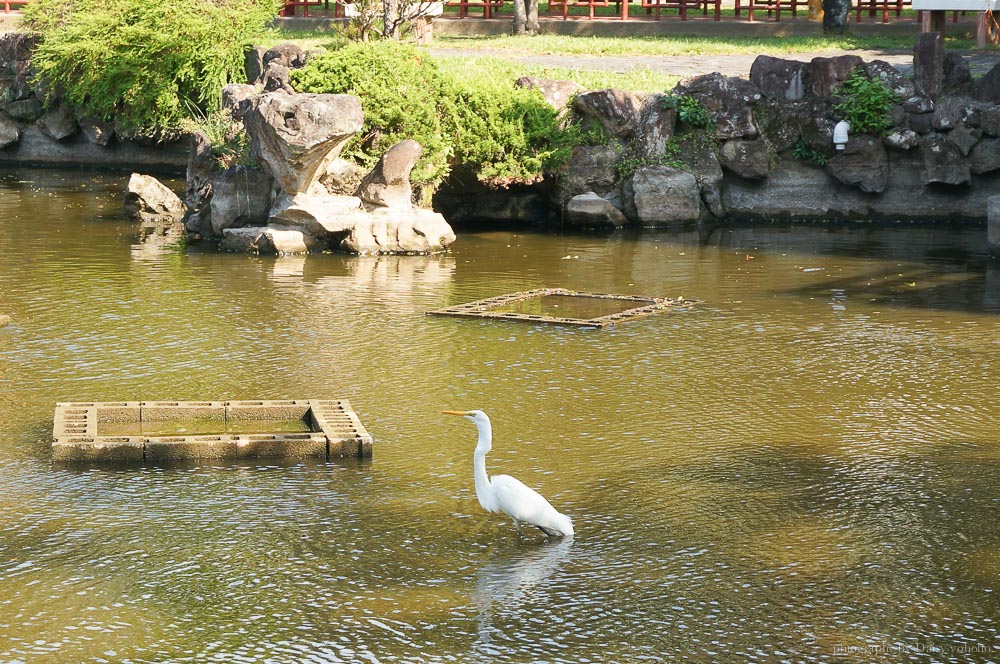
(484, 445)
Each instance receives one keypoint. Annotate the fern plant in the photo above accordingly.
(866, 103)
(805, 153)
(689, 111)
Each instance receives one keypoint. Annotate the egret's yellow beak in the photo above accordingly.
(463, 413)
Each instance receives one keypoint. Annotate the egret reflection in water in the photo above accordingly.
(509, 582)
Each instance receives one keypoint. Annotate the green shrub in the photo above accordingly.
(866, 103)
(803, 152)
(506, 134)
(148, 65)
(400, 90)
(689, 111)
(510, 134)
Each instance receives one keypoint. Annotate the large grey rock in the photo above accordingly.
(783, 123)
(951, 112)
(697, 153)
(34, 147)
(826, 74)
(10, 132)
(58, 123)
(318, 213)
(728, 100)
(277, 77)
(863, 163)
(342, 177)
(801, 191)
(985, 156)
(148, 200)
(269, 241)
(778, 78)
(748, 159)
(296, 136)
(590, 211)
(236, 99)
(198, 194)
(16, 49)
(661, 196)
(388, 185)
(965, 138)
(896, 81)
(557, 94)
(395, 231)
(617, 111)
(17, 46)
(928, 64)
(24, 110)
(957, 75)
(987, 88)
(590, 168)
(795, 191)
(902, 139)
(287, 55)
(922, 123)
(96, 132)
(253, 64)
(655, 127)
(943, 161)
(241, 196)
(989, 120)
(7, 84)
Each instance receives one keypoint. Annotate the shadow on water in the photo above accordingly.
(974, 290)
(925, 266)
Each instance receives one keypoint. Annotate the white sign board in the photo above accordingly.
(957, 5)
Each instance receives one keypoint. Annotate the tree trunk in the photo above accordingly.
(532, 17)
(520, 18)
(391, 18)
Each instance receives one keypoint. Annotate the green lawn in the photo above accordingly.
(497, 68)
(490, 53)
(681, 45)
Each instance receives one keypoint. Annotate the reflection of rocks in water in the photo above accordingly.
(4, 320)
(158, 237)
(511, 580)
(290, 268)
(401, 273)
(991, 298)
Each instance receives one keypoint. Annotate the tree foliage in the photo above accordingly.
(147, 65)
(506, 134)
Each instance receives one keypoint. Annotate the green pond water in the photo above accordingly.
(803, 467)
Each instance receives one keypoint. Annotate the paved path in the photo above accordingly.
(687, 66)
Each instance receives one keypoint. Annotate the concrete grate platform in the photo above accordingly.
(538, 306)
(158, 431)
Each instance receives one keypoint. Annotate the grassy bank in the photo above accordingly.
(666, 46)
(500, 68)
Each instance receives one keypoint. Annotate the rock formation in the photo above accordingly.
(764, 147)
(296, 203)
(149, 201)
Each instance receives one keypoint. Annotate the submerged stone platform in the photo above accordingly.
(163, 431)
(563, 307)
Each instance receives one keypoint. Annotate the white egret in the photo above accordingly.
(504, 493)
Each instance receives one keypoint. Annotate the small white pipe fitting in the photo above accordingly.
(840, 134)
